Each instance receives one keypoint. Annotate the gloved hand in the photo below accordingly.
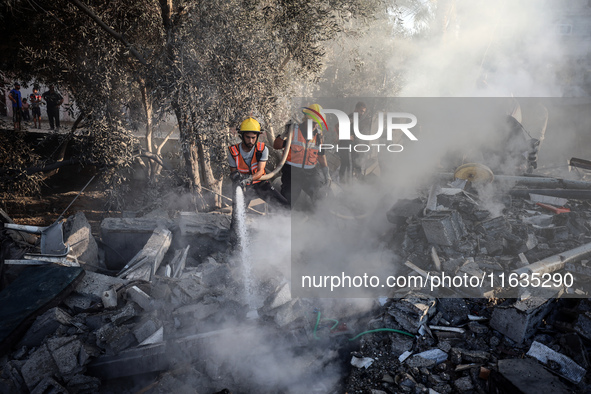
(235, 176)
(245, 181)
(326, 173)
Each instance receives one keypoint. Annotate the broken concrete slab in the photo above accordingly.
(39, 365)
(144, 264)
(464, 385)
(557, 362)
(125, 237)
(214, 225)
(45, 325)
(155, 357)
(146, 328)
(177, 264)
(156, 337)
(190, 289)
(78, 234)
(520, 320)
(129, 311)
(115, 338)
(83, 384)
(64, 351)
(526, 376)
(78, 302)
(141, 298)
(49, 385)
(428, 358)
(214, 274)
(94, 285)
(13, 380)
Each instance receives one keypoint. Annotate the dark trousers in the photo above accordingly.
(294, 180)
(53, 114)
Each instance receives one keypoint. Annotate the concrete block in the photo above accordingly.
(413, 311)
(93, 285)
(39, 365)
(141, 298)
(214, 225)
(526, 376)
(428, 358)
(192, 289)
(443, 227)
(464, 385)
(146, 328)
(214, 274)
(64, 351)
(114, 338)
(557, 362)
(49, 385)
(12, 372)
(520, 320)
(83, 384)
(78, 235)
(125, 237)
(494, 227)
(45, 325)
(145, 263)
(156, 337)
(129, 311)
(78, 302)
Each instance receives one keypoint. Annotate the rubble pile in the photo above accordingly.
(157, 304)
(155, 317)
(502, 339)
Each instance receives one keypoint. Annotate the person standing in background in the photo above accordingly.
(35, 99)
(17, 105)
(53, 100)
(26, 115)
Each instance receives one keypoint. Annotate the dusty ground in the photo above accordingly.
(45, 209)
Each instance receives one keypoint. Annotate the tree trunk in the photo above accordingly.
(207, 175)
(190, 154)
(153, 167)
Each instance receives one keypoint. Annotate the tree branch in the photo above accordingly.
(109, 30)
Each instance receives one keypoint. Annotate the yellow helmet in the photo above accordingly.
(315, 113)
(250, 124)
(313, 107)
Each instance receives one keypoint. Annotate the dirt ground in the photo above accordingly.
(45, 209)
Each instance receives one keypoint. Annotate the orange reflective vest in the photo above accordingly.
(244, 168)
(302, 153)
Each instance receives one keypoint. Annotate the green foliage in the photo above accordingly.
(210, 63)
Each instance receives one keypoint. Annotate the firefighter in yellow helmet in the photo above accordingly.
(248, 160)
(301, 171)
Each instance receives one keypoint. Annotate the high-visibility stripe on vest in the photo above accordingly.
(302, 153)
(244, 168)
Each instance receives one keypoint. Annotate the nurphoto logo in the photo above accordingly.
(402, 121)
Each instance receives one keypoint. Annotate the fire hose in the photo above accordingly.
(270, 175)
